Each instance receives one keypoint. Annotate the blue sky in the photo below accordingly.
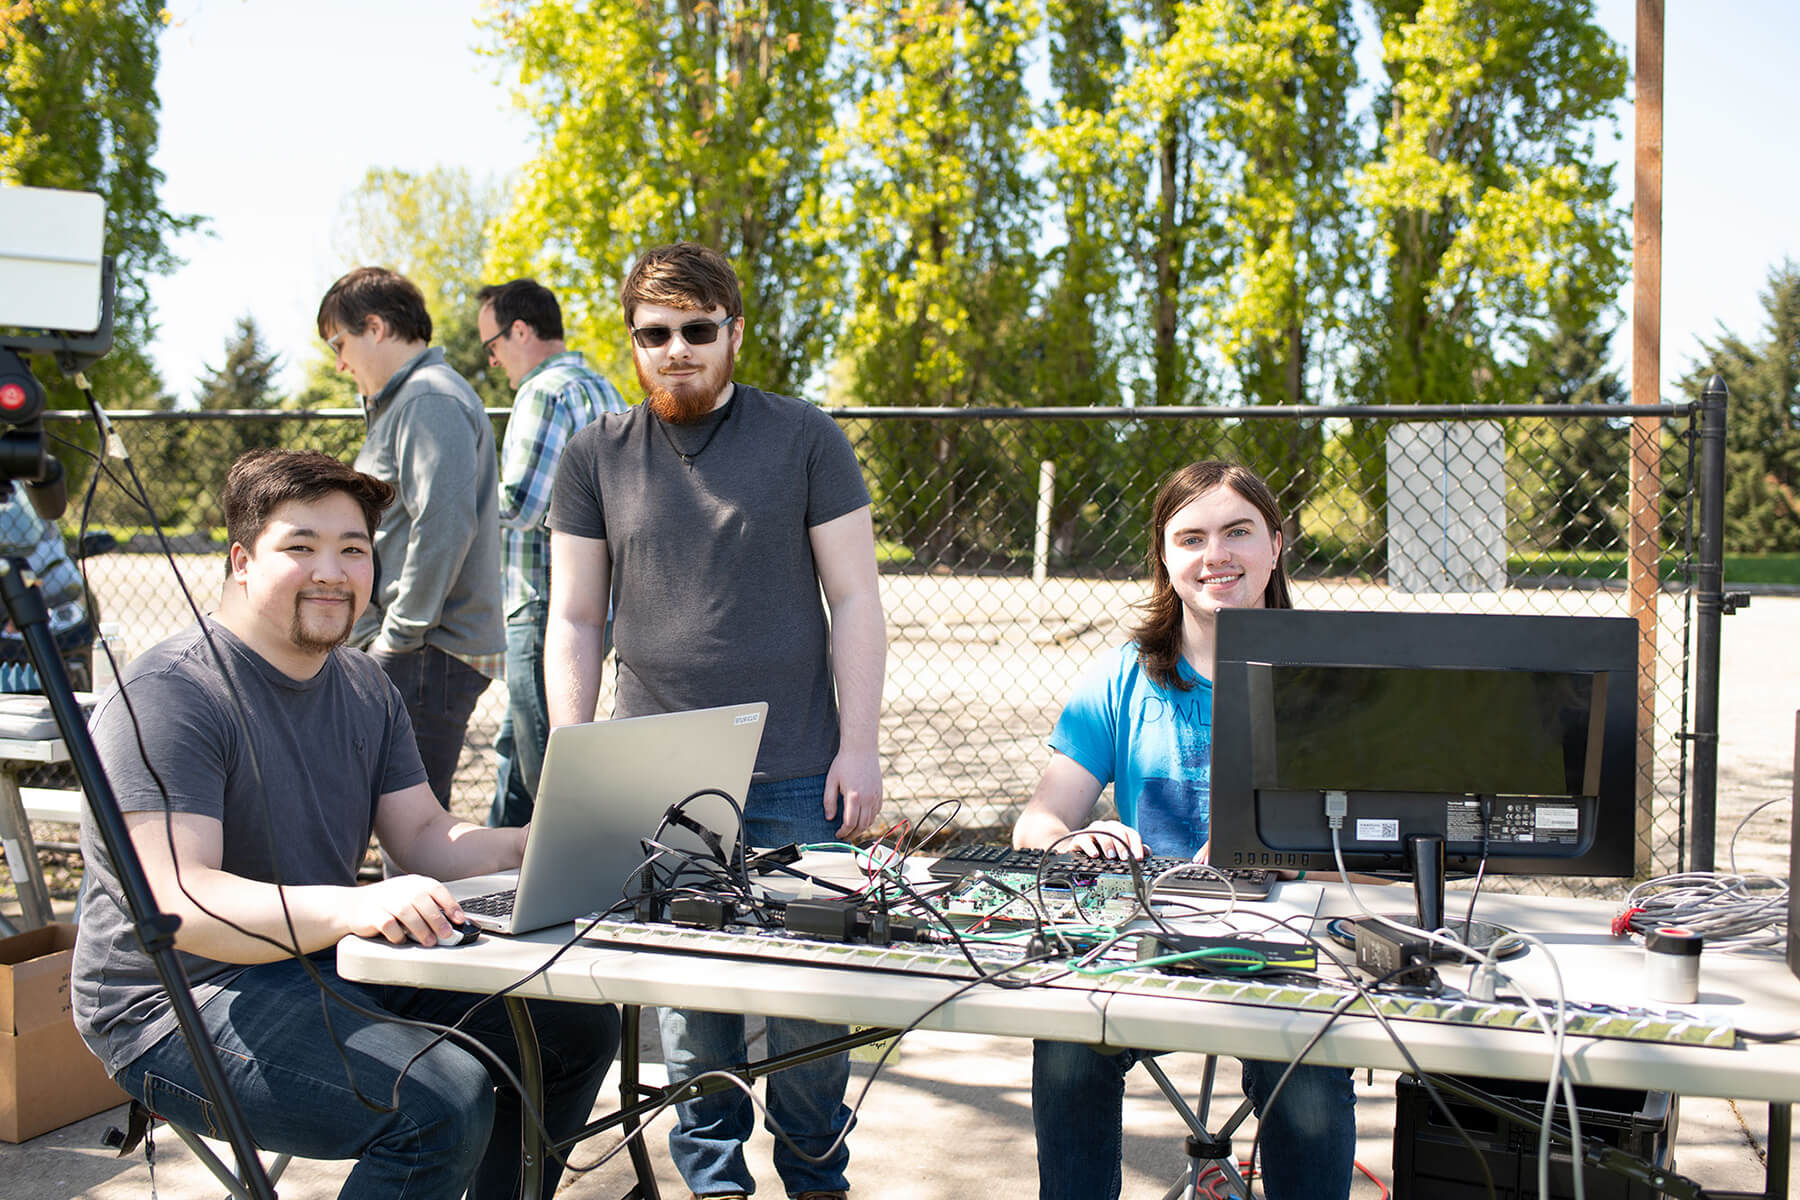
(272, 111)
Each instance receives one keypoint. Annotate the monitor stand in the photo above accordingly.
(1425, 861)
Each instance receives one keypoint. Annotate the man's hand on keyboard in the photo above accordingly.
(1104, 839)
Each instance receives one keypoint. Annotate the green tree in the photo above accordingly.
(434, 227)
(1495, 213)
(246, 379)
(1214, 148)
(1579, 468)
(1073, 350)
(670, 120)
(1762, 433)
(941, 214)
(78, 110)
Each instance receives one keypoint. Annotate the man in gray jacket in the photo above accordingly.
(434, 622)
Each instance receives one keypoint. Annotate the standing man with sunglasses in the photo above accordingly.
(434, 621)
(713, 515)
(521, 329)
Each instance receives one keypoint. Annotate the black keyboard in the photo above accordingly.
(1188, 879)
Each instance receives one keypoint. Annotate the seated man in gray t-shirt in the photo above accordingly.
(252, 757)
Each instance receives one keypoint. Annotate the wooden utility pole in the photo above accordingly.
(1646, 388)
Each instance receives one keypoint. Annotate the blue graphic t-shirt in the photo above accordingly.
(1154, 745)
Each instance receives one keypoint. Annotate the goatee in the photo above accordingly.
(315, 641)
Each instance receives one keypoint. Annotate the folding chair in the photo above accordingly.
(139, 1123)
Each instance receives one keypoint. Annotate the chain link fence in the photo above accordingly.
(1012, 548)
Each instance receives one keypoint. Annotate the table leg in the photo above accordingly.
(630, 1092)
(531, 1077)
(1780, 1158)
(21, 855)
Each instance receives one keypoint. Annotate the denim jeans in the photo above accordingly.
(440, 691)
(1307, 1141)
(455, 1125)
(805, 1102)
(525, 729)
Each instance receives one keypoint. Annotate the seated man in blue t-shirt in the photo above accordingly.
(1142, 721)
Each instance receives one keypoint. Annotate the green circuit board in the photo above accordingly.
(1001, 900)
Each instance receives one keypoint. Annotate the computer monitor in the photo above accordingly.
(1511, 738)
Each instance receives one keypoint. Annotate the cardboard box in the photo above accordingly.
(48, 1076)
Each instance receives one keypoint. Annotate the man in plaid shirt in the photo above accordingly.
(522, 331)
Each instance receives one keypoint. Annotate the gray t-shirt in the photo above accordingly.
(328, 747)
(715, 593)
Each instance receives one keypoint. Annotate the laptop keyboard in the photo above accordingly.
(493, 904)
(1188, 878)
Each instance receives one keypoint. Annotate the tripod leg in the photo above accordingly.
(1203, 1148)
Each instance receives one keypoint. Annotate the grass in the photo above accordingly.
(1586, 564)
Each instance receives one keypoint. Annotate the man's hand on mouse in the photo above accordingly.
(407, 907)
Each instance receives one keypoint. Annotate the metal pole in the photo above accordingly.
(1040, 539)
(1709, 604)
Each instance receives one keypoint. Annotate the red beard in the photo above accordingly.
(686, 401)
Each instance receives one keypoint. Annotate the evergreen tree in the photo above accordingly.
(246, 380)
(1582, 464)
(1762, 435)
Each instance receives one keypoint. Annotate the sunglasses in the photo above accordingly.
(694, 333)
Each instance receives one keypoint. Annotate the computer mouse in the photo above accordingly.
(467, 931)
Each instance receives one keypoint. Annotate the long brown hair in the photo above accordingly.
(1158, 634)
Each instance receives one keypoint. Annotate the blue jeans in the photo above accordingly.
(1308, 1140)
(454, 1125)
(525, 729)
(440, 692)
(806, 1102)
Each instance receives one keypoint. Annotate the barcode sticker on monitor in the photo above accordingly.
(1377, 831)
(1557, 817)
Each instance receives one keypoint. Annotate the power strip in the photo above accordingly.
(1582, 1020)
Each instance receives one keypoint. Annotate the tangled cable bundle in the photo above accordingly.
(1732, 912)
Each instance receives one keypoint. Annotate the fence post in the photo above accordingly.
(1040, 537)
(1709, 604)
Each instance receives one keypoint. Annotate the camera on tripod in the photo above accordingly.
(56, 297)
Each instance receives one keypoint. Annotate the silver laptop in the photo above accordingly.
(604, 788)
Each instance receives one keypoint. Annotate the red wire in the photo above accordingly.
(1249, 1172)
(1373, 1180)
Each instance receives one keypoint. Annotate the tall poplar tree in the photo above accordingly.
(940, 215)
(1496, 215)
(669, 120)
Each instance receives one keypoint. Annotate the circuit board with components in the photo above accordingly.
(999, 900)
